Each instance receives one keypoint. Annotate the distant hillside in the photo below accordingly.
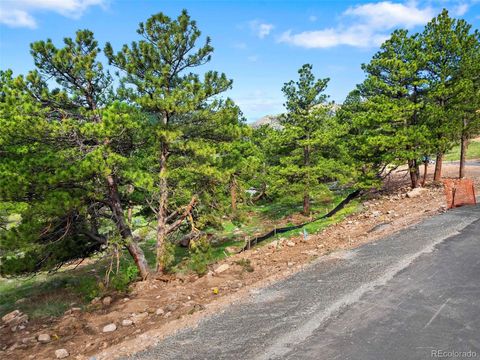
(273, 120)
(270, 120)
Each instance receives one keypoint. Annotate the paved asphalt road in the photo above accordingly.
(410, 296)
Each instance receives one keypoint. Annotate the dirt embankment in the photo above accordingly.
(158, 307)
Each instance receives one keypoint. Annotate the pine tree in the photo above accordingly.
(158, 77)
(390, 126)
(446, 43)
(467, 105)
(64, 154)
(308, 153)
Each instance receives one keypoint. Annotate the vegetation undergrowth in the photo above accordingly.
(473, 152)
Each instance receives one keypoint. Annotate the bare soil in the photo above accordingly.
(163, 305)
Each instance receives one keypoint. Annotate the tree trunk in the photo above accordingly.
(306, 204)
(437, 176)
(306, 195)
(233, 193)
(463, 154)
(125, 232)
(425, 168)
(162, 208)
(413, 169)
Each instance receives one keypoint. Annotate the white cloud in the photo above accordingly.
(18, 13)
(367, 25)
(261, 29)
(17, 18)
(461, 9)
(387, 15)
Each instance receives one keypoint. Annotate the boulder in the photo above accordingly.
(61, 353)
(222, 268)
(107, 300)
(14, 318)
(10, 316)
(109, 328)
(43, 338)
(415, 192)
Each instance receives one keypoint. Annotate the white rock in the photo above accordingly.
(61, 353)
(127, 322)
(416, 192)
(290, 244)
(109, 328)
(107, 300)
(43, 338)
(222, 268)
(376, 213)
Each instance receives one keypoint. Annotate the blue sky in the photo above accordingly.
(259, 44)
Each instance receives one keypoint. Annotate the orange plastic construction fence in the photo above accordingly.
(459, 192)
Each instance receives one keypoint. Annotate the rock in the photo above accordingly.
(29, 340)
(290, 264)
(15, 318)
(390, 212)
(107, 301)
(61, 353)
(415, 192)
(43, 338)
(10, 316)
(290, 244)
(222, 268)
(159, 311)
(137, 318)
(376, 213)
(109, 328)
(72, 310)
(95, 300)
(232, 250)
(310, 252)
(127, 322)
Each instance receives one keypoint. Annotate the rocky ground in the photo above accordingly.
(118, 325)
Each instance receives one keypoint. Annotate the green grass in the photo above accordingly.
(45, 295)
(317, 226)
(473, 152)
